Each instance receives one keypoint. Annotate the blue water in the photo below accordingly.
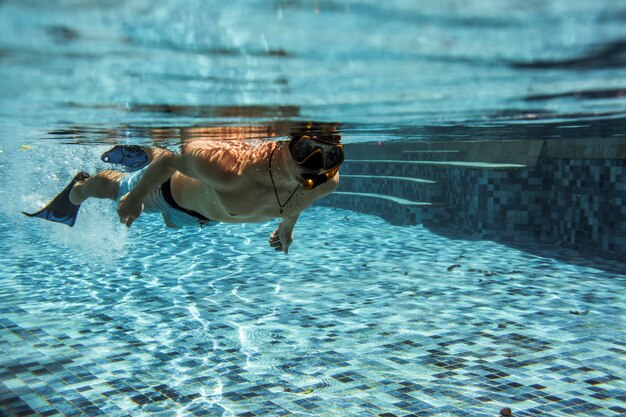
(361, 318)
(82, 71)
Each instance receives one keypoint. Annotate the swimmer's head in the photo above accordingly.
(322, 132)
(319, 156)
(314, 154)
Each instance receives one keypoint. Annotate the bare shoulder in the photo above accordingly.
(217, 161)
(221, 152)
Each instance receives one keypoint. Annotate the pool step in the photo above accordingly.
(395, 210)
(414, 189)
(415, 169)
(433, 155)
(403, 191)
(525, 152)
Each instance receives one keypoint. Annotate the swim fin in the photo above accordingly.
(60, 209)
(131, 156)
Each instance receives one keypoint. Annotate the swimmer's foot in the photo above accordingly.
(131, 156)
(60, 209)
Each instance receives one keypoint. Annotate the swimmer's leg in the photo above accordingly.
(105, 184)
(64, 207)
(168, 223)
(61, 209)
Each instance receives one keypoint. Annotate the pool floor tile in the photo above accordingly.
(380, 328)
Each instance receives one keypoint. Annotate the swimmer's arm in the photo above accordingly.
(282, 237)
(162, 167)
(288, 223)
(210, 165)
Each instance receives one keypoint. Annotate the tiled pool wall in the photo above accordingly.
(585, 206)
(574, 202)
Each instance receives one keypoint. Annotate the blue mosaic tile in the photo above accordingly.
(576, 203)
(364, 319)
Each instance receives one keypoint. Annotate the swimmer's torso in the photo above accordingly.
(242, 191)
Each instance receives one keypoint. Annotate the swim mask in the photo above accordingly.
(314, 154)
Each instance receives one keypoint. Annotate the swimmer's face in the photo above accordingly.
(315, 156)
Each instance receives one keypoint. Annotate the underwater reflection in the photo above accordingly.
(256, 130)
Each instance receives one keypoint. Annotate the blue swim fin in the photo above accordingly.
(60, 209)
(131, 156)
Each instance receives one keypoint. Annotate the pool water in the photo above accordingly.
(362, 317)
(90, 71)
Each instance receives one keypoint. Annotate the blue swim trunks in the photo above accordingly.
(162, 201)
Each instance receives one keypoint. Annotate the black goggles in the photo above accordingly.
(315, 155)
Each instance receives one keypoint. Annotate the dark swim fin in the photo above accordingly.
(131, 156)
(60, 209)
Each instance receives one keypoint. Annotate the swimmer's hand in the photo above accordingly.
(281, 238)
(129, 209)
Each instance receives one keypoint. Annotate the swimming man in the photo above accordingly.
(213, 181)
